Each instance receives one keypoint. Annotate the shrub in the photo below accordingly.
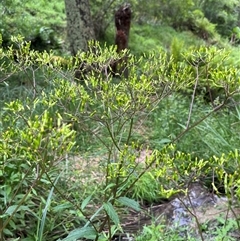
(42, 126)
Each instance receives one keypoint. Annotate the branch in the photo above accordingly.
(193, 97)
(199, 121)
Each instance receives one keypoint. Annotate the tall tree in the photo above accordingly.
(79, 24)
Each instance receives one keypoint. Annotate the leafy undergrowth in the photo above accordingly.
(218, 133)
(155, 192)
(78, 153)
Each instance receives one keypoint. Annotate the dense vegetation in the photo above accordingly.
(71, 148)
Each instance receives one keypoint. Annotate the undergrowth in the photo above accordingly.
(70, 147)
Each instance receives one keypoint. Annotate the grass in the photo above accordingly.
(150, 37)
(145, 38)
(219, 230)
(218, 133)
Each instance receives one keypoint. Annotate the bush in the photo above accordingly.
(44, 123)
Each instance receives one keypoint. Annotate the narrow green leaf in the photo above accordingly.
(164, 141)
(45, 210)
(129, 203)
(85, 232)
(34, 191)
(86, 201)
(109, 186)
(12, 224)
(7, 232)
(111, 212)
(62, 206)
(13, 208)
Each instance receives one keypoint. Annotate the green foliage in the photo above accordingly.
(43, 127)
(219, 231)
(210, 137)
(147, 189)
(148, 38)
(201, 26)
(211, 67)
(40, 234)
(223, 233)
(176, 49)
(223, 13)
(173, 12)
(235, 38)
(184, 15)
(31, 146)
(34, 140)
(42, 22)
(204, 18)
(176, 13)
(51, 121)
(162, 232)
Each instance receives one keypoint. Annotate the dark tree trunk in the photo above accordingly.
(123, 20)
(122, 23)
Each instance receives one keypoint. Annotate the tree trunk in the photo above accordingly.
(79, 25)
(122, 23)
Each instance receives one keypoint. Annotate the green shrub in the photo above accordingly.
(201, 26)
(43, 127)
(32, 144)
